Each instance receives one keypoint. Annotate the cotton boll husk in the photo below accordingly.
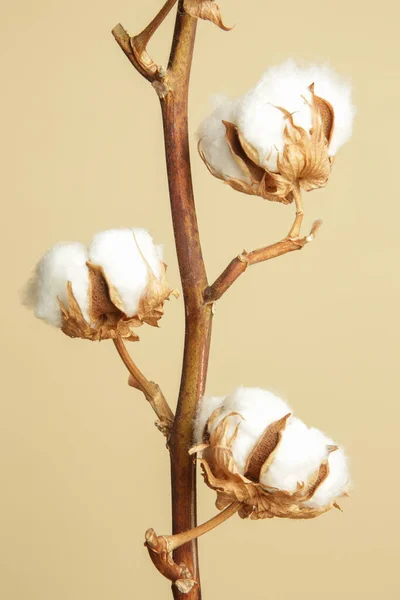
(212, 141)
(259, 408)
(205, 408)
(298, 456)
(337, 91)
(337, 482)
(66, 261)
(126, 256)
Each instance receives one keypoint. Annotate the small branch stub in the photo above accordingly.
(151, 390)
(161, 556)
(161, 547)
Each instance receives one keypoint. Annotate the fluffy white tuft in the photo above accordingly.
(262, 123)
(298, 456)
(337, 481)
(126, 255)
(205, 408)
(258, 408)
(66, 261)
(211, 136)
(300, 453)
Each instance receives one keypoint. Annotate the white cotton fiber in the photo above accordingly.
(126, 256)
(286, 85)
(206, 407)
(259, 409)
(212, 142)
(298, 456)
(62, 263)
(337, 482)
(262, 123)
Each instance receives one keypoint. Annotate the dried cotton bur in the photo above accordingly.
(104, 291)
(255, 452)
(282, 136)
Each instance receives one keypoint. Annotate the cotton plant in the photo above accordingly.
(275, 141)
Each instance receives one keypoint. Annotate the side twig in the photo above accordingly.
(239, 264)
(135, 47)
(161, 547)
(150, 390)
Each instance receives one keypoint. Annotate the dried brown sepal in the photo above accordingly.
(207, 10)
(106, 326)
(305, 158)
(106, 309)
(152, 301)
(326, 112)
(263, 452)
(258, 501)
(256, 180)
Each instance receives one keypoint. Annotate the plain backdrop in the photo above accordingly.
(83, 470)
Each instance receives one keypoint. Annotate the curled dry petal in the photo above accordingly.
(106, 309)
(258, 501)
(205, 9)
(256, 180)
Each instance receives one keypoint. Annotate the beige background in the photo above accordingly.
(83, 470)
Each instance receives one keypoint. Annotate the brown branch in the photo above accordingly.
(198, 317)
(160, 548)
(239, 264)
(135, 47)
(151, 390)
(172, 87)
(180, 575)
(174, 541)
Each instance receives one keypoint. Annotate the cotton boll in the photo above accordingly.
(62, 263)
(212, 141)
(337, 482)
(259, 408)
(259, 118)
(205, 409)
(126, 256)
(298, 456)
(287, 86)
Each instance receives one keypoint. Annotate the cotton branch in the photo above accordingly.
(151, 390)
(161, 547)
(239, 264)
(135, 47)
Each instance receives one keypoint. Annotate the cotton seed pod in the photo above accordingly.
(281, 136)
(275, 468)
(108, 290)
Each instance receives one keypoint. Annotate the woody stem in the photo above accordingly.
(151, 390)
(144, 37)
(175, 541)
(239, 264)
(295, 230)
